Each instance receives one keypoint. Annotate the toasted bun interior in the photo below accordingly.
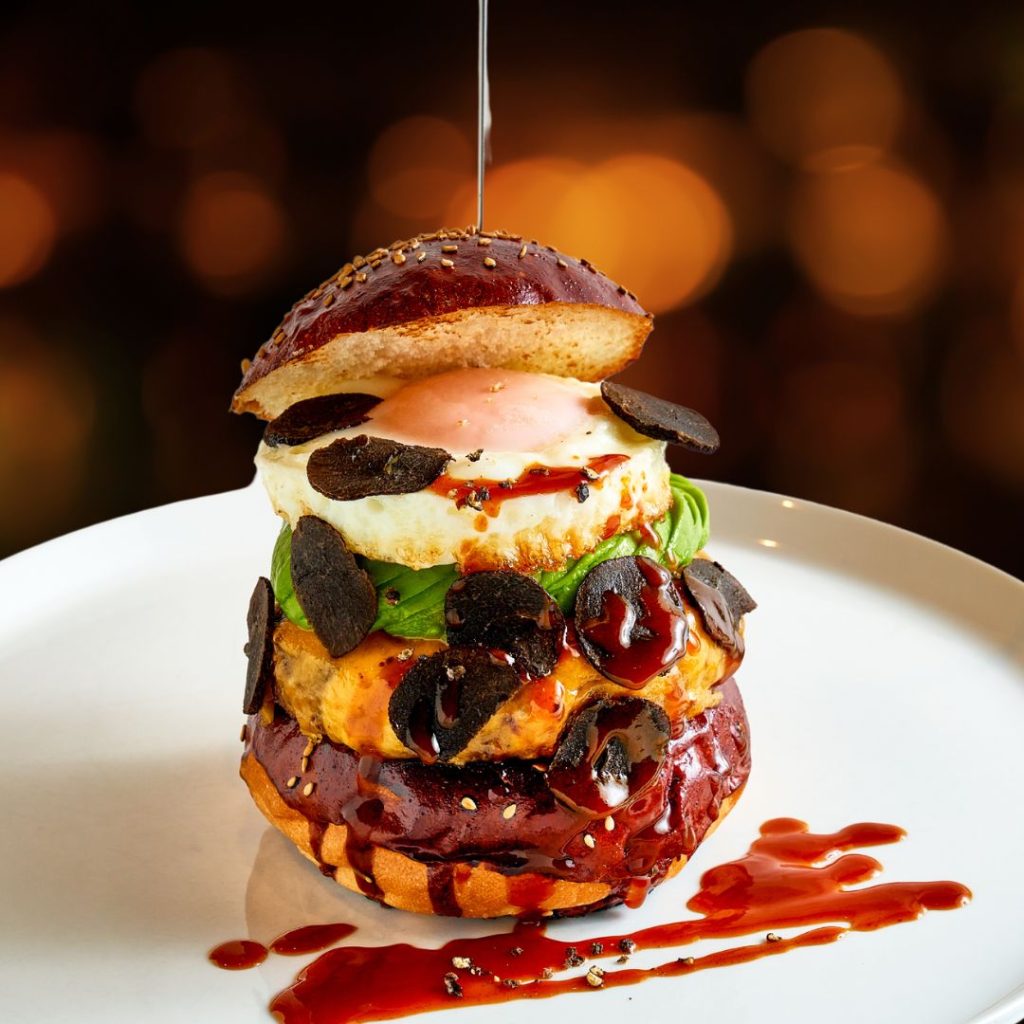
(441, 302)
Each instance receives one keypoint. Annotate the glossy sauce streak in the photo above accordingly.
(382, 803)
(311, 939)
(317, 830)
(238, 954)
(784, 881)
(393, 671)
(419, 736)
(362, 814)
(627, 730)
(639, 646)
(441, 888)
(437, 709)
(242, 954)
(489, 494)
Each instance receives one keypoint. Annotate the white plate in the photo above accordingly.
(884, 682)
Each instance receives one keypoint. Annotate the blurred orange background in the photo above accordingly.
(824, 206)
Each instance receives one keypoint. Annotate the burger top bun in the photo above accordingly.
(439, 302)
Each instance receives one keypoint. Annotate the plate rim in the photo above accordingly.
(708, 486)
(143, 525)
(939, 547)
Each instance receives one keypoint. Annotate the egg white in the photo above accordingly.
(529, 532)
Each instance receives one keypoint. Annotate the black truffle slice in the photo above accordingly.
(507, 611)
(259, 648)
(338, 597)
(609, 753)
(665, 421)
(444, 700)
(630, 621)
(313, 417)
(721, 599)
(358, 467)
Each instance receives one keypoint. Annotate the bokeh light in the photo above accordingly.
(649, 222)
(871, 238)
(29, 229)
(67, 167)
(417, 164)
(724, 152)
(1017, 315)
(522, 196)
(1003, 210)
(47, 407)
(825, 210)
(821, 95)
(232, 231)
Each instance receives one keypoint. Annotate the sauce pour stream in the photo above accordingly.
(483, 113)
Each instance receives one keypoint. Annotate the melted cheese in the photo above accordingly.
(346, 699)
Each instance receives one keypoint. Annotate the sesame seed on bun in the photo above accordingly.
(441, 301)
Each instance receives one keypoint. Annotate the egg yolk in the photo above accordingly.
(497, 410)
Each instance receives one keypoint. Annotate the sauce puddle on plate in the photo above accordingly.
(787, 879)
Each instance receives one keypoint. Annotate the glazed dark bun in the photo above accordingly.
(440, 302)
(492, 839)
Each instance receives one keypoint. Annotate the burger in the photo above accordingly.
(491, 670)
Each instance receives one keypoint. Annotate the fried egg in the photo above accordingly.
(498, 425)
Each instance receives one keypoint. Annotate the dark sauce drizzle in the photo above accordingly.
(238, 954)
(441, 887)
(361, 814)
(487, 495)
(375, 802)
(624, 752)
(420, 736)
(443, 708)
(241, 954)
(311, 939)
(784, 881)
(638, 647)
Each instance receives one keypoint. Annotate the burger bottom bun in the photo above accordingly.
(703, 777)
(481, 891)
